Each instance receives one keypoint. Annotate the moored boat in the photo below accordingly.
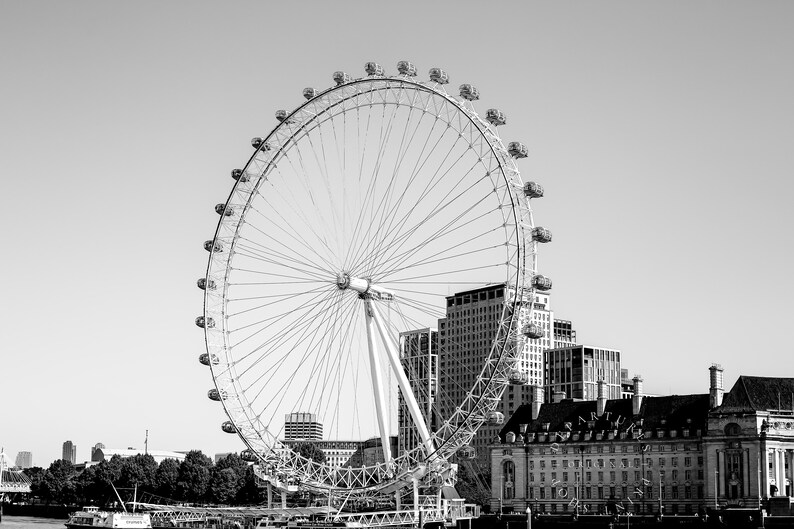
(93, 517)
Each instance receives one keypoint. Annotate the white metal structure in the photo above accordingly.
(351, 222)
(11, 481)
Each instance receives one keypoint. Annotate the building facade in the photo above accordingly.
(69, 452)
(575, 370)
(24, 460)
(302, 426)
(98, 446)
(466, 336)
(419, 358)
(674, 454)
(337, 453)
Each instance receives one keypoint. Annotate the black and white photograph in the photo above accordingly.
(406, 265)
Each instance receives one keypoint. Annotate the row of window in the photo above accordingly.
(612, 475)
(614, 463)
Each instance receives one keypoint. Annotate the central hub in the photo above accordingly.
(364, 287)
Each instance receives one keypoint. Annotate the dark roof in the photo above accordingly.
(677, 412)
(759, 394)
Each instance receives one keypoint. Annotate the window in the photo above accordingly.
(509, 471)
(687, 461)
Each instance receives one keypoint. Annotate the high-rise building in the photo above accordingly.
(95, 451)
(24, 460)
(419, 357)
(302, 426)
(575, 370)
(564, 334)
(466, 336)
(69, 452)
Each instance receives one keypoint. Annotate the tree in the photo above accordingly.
(224, 485)
(89, 489)
(474, 485)
(310, 451)
(36, 476)
(194, 477)
(250, 492)
(166, 478)
(138, 471)
(58, 483)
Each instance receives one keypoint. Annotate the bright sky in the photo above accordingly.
(662, 132)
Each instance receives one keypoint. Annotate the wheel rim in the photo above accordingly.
(407, 188)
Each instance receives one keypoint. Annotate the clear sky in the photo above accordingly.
(662, 132)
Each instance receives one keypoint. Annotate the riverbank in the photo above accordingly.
(58, 512)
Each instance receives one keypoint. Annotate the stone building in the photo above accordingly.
(676, 453)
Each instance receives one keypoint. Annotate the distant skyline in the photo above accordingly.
(661, 131)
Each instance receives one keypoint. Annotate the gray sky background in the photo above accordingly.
(662, 132)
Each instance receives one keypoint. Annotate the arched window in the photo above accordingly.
(732, 429)
(508, 480)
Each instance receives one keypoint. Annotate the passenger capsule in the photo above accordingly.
(207, 359)
(541, 234)
(406, 68)
(283, 116)
(222, 209)
(238, 174)
(229, 427)
(495, 417)
(248, 455)
(216, 395)
(439, 76)
(532, 330)
(495, 117)
(518, 377)
(533, 190)
(467, 452)
(469, 92)
(309, 93)
(373, 68)
(541, 282)
(205, 323)
(259, 142)
(341, 78)
(205, 284)
(517, 149)
(213, 246)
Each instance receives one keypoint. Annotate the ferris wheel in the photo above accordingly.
(352, 225)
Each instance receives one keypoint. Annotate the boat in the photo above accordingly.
(93, 517)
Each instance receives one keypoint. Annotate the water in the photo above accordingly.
(30, 522)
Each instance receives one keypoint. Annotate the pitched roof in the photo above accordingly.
(759, 394)
(668, 412)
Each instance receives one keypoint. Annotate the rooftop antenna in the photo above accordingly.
(146, 444)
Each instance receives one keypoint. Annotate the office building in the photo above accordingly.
(301, 426)
(337, 453)
(69, 452)
(98, 446)
(573, 372)
(24, 460)
(419, 358)
(466, 336)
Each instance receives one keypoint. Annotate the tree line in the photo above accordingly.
(196, 479)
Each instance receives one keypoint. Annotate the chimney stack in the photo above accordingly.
(601, 401)
(715, 386)
(636, 399)
(537, 401)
